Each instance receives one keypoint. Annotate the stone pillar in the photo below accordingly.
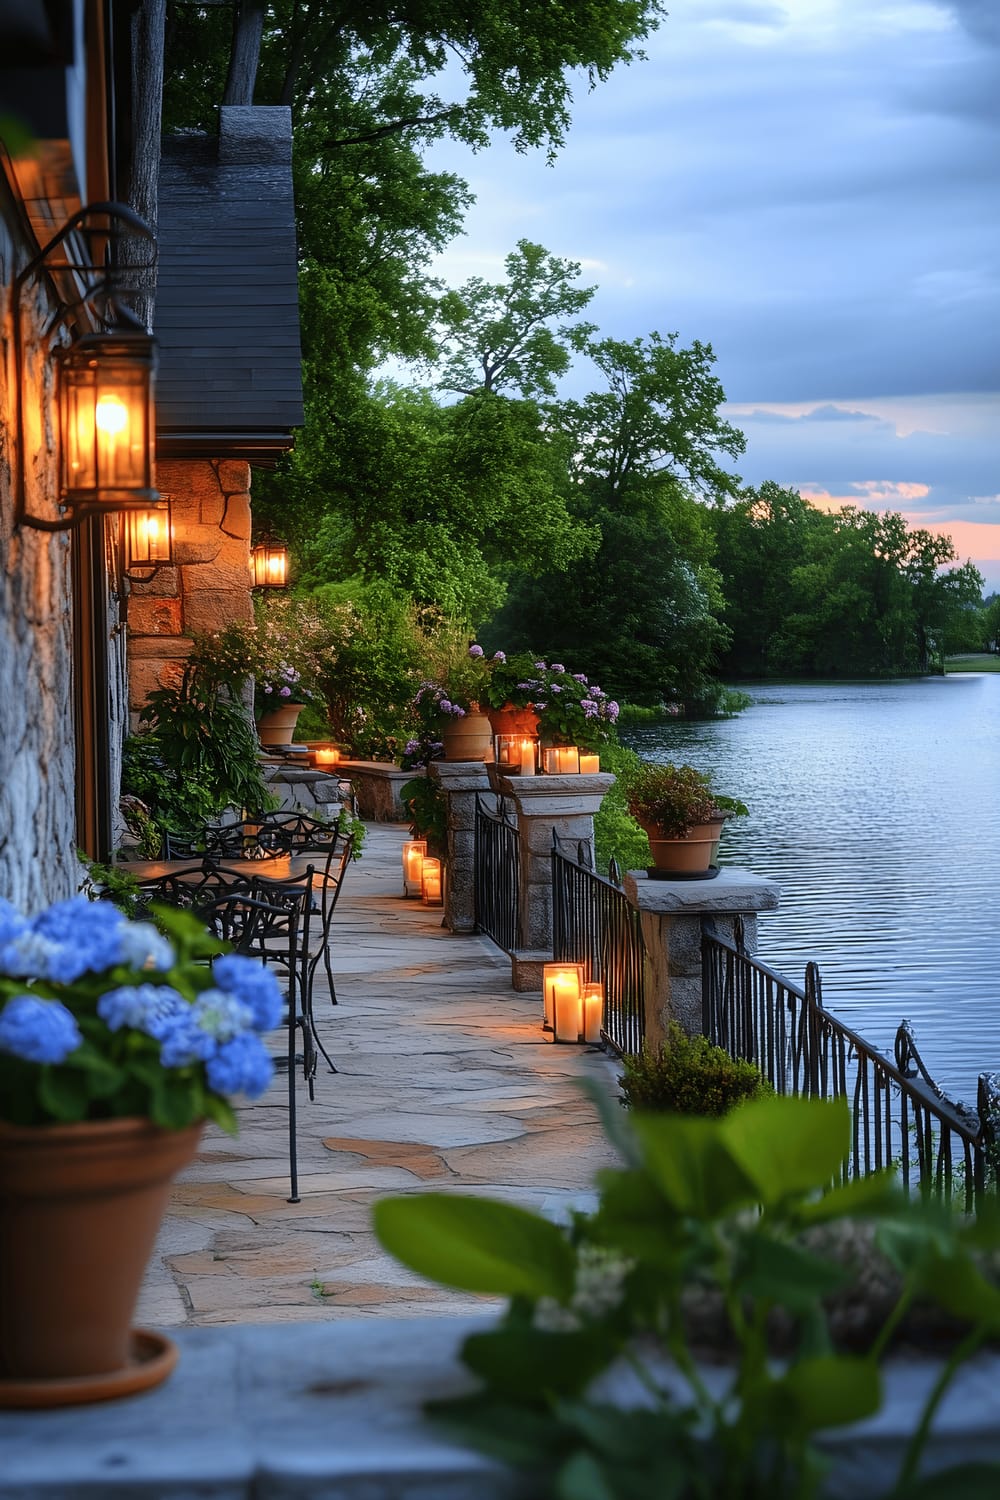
(671, 913)
(566, 804)
(460, 780)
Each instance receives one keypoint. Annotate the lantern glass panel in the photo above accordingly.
(105, 408)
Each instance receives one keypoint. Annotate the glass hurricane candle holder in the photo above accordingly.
(564, 979)
(593, 1012)
(414, 851)
(561, 760)
(431, 882)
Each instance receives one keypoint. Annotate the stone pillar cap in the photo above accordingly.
(732, 890)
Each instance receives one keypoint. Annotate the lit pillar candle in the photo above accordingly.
(562, 760)
(568, 1004)
(527, 757)
(326, 755)
(414, 851)
(508, 752)
(569, 976)
(589, 764)
(593, 1012)
(430, 882)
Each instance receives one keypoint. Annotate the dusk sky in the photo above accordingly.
(813, 188)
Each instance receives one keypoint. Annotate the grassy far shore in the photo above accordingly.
(978, 662)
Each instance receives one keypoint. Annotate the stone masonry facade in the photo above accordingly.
(209, 585)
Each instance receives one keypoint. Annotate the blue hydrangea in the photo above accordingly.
(142, 947)
(39, 1031)
(242, 1066)
(221, 1015)
(185, 1043)
(152, 1008)
(28, 955)
(12, 924)
(254, 984)
(87, 937)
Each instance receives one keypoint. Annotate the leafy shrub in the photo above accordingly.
(689, 1076)
(616, 833)
(427, 808)
(675, 798)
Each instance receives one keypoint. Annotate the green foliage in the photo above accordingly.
(501, 336)
(675, 798)
(121, 885)
(704, 1211)
(617, 835)
(689, 1076)
(852, 593)
(427, 809)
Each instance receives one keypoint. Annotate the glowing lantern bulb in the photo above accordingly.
(110, 415)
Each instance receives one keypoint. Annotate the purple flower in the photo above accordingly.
(41, 1031)
(499, 656)
(579, 677)
(540, 666)
(613, 709)
(445, 705)
(284, 692)
(476, 651)
(555, 688)
(557, 666)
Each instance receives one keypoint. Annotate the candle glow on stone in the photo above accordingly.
(564, 978)
(414, 851)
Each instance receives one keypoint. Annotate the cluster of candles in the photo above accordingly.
(520, 757)
(573, 1010)
(324, 756)
(422, 873)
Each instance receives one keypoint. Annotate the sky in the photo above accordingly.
(813, 188)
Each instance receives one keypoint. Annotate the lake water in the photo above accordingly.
(876, 808)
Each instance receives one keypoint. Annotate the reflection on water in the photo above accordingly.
(876, 808)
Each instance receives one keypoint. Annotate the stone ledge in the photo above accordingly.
(731, 890)
(333, 1411)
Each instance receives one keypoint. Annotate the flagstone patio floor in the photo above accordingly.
(445, 1083)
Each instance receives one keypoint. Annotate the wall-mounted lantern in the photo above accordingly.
(269, 564)
(105, 375)
(105, 397)
(147, 541)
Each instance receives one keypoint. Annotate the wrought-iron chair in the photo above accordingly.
(272, 930)
(331, 882)
(193, 888)
(295, 833)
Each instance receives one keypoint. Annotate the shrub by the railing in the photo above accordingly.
(689, 1075)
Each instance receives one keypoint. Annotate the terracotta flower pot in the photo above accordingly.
(278, 726)
(690, 854)
(469, 738)
(80, 1208)
(511, 720)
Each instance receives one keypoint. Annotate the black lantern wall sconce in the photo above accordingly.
(104, 378)
(146, 541)
(269, 564)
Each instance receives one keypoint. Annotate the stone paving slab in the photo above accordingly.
(445, 1083)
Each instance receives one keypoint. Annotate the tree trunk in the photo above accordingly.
(244, 56)
(141, 176)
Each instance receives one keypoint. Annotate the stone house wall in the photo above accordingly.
(208, 587)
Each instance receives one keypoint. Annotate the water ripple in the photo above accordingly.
(875, 808)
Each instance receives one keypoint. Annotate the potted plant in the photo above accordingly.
(116, 1045)
(565, 708)
(448, 707)
(279, 698)
(680, 813)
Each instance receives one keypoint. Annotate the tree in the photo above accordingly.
(516, 62)
(657, 417)
(499, 336)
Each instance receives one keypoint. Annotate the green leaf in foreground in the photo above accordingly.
(477, 1245)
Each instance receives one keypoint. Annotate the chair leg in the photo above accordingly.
(312, 1022)
(293, 1161)
(329, 973)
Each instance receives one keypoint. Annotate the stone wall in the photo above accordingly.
(208, 587)
(37, 755)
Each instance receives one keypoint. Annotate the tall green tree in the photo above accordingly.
(499, 336)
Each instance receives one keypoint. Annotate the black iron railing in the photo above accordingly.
(497, 873)
(594, 924)
(899, 1116)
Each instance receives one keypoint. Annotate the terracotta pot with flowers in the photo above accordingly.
(449, 707)
(279, 698)
(117, 1044)
(680, 813)
(565, 708)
